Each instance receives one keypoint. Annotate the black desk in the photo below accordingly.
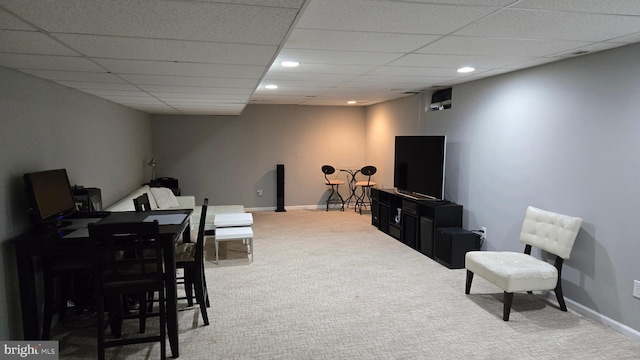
(41, 244)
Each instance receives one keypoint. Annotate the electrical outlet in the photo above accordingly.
(259, 192)
(636, 289)
(484, 233)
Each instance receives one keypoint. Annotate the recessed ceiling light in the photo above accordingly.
(351, 102)
(271, 86)
(289, 63)
(466, 69)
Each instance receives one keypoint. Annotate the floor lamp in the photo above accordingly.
(152, 163)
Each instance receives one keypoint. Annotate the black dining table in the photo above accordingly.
(38, 244)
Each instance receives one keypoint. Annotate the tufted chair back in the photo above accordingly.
(550, 231)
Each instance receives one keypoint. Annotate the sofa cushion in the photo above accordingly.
(164, 197)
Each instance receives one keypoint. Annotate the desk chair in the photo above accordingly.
(190, 258)
(334, 196)
(364, 199)
(116, 276)
(515, 272)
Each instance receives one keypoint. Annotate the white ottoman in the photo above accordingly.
(235, 233)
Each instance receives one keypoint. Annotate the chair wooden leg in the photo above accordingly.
(508, 299)
(560, 297)
(200, 296)
(467, 288)
(142, 312)
(188, 285)
(204, 283)
(558, 289)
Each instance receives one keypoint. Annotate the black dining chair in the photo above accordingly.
(190, 258)
(141, 203)
(116, 276)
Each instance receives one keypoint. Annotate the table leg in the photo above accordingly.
(28, 301)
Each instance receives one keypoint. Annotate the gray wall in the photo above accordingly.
(229, 158)
(47, 126)
(563, 137)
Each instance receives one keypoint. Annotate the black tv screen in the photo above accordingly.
(420, 165)
(50, 196)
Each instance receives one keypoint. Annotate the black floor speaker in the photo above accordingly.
(280, 188)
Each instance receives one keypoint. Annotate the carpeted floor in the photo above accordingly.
(328, 285)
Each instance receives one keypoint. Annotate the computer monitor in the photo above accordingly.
(50, 197)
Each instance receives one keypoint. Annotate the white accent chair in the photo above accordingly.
(516, 272)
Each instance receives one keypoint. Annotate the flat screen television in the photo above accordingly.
(50, 196)
(419, 166)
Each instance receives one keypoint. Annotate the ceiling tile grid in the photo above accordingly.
(212, 57)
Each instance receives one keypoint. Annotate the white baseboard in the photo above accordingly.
(296, 207)
(596, 316)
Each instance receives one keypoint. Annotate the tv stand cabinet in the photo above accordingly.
(419, 219)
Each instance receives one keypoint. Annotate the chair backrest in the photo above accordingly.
(199, 255)
(141, 203)
(328, 170)
(552, 232)
(127, 250)
(368, 171)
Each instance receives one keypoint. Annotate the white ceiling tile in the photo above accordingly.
(195, 89)
(204, 97)
(307, 77)
(291, 89)
(48, 62)
(396, 81)
(535, 24)
(170, 50)
(413, 71)
(125, 100)
(75, 76)
(296, 4)
(111, 92)
(30, 42)
(387, 16)
(356, 40)
(628, 39)
(627, 7)
(160, 19)
(321, 68)
(189, 81)
(164, 110)
(180, 68)
(456, 61)
(339, 57)
(86, 85)
(10, 22)
(467, 45)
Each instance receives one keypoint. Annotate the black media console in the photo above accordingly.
(418, 221)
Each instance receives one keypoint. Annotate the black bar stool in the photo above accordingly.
(334, 196)
(364, 199)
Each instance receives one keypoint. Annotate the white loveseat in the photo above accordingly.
(163, 199)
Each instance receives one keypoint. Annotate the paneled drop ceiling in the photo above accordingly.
(206, 57)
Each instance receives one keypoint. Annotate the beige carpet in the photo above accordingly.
(328, 285)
